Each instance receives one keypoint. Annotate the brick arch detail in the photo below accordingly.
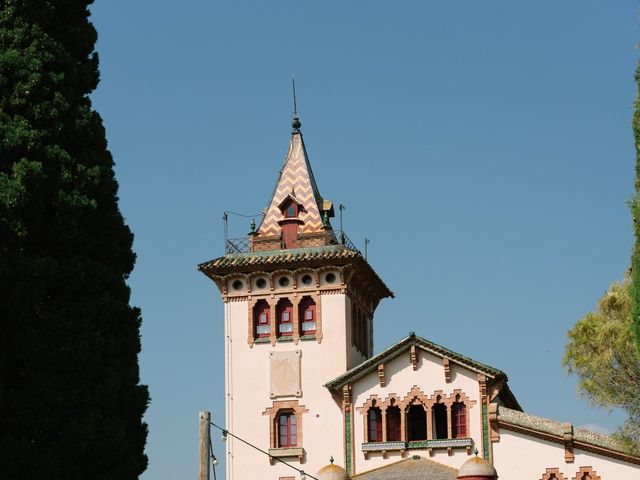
(415, 394)
(586, 471)
(553, 474)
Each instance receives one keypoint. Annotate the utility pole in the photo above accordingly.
(205, 441)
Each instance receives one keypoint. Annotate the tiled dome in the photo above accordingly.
(477, 468)
(332, 472)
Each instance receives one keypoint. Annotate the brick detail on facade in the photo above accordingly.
(567, 437)
(273, 411)
(553, 474)
(586, 473)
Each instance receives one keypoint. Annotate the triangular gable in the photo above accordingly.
(296, 175)
(404, 345)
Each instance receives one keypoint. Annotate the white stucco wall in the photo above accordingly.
(518, 457)
(248, 393)
(429, 377)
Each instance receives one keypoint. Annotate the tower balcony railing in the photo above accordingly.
(254, 243)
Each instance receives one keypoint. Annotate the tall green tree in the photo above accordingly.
(635, 213)
(71, 404)
(601, 351)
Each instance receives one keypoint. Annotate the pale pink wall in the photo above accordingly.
(400, 378)
(248, 393)
(517, 456)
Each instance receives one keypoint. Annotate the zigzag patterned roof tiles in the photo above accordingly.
(296, 177)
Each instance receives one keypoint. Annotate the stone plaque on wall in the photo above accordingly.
(284, 372)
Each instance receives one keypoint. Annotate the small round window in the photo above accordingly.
(330, 277)
(237, 285)
(283, 281)
(261, 283)
(306, 279)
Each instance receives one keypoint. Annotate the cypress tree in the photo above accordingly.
(71, 404)
(635, 213)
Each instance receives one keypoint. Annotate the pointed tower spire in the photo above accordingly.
(296, 120)
(296, 209)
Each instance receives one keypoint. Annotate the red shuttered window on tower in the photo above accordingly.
(284, 314)
(261, 319)
(287, 430)
(307, 316)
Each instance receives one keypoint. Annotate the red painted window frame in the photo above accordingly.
(262, 307)
(459, 420)
(394, 433)
(374, 425)
(287, 430)
(284, 306)
(308, 305)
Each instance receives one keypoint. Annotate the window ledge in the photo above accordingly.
(285, 339)
(308, 337)
(442, 443)
(262, 340)
(286, 452)
(386, 446)
(434, 443)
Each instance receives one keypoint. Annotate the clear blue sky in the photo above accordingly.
(485, 149)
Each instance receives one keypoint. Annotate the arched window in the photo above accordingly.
(262, 327)
(307, 316)
(393, 424)
(284, 316)
(374, 425)
(287, 429)
(458, 419)
(416, 423)
(440, 420)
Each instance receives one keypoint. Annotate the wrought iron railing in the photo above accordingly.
(236, 245)
(277, 242)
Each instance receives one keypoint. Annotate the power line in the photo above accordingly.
(225, 432)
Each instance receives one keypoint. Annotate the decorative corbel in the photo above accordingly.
(482, 380)
(414, 357)
(447, 370)
(567, 437)
(346, 398)
(381, 375)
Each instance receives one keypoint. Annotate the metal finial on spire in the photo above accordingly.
(296, 121)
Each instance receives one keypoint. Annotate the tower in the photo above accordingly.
(299, 300)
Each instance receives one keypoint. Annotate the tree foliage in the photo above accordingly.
(70, 401)
(601, 351)
(635, 213)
